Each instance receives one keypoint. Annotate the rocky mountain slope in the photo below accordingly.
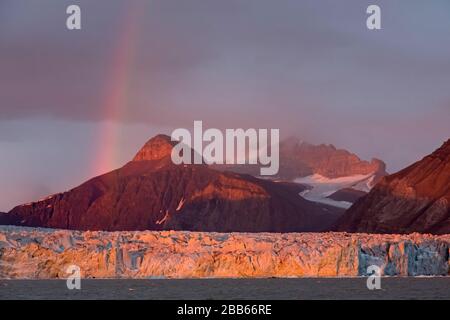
(39, 254)
(324, 170)
(347, 194)
(415, 199)
(301, 159)
(151, 193)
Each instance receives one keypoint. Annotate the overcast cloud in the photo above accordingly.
(310, 68)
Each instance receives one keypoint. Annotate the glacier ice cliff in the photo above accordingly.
(29, 253)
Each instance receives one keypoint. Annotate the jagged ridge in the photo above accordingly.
(300, 159)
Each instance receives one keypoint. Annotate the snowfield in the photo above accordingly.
(28, 253)
(322, 187)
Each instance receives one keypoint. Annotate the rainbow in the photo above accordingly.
(115, 94)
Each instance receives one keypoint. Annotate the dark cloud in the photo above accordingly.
(210, 59)
(310, 68)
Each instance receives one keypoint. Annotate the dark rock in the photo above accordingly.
(347, 194)
(8, 219)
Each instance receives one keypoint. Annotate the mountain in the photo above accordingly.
(415, 199)
(327, 172)
(151, 193)
(300, 159)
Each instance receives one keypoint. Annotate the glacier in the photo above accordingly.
(36, 253)
(320, 187)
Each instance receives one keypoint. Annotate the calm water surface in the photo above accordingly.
(329, 288)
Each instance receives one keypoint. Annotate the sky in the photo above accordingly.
(75, 104)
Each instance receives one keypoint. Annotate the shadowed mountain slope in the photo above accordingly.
(415, 199)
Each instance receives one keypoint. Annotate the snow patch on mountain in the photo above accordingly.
(320, 187)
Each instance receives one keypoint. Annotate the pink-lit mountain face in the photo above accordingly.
(331, 176)
(151, 193)
(415, 199)
(300, 159)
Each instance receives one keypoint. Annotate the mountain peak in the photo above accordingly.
(444, 151)
(158, 147)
